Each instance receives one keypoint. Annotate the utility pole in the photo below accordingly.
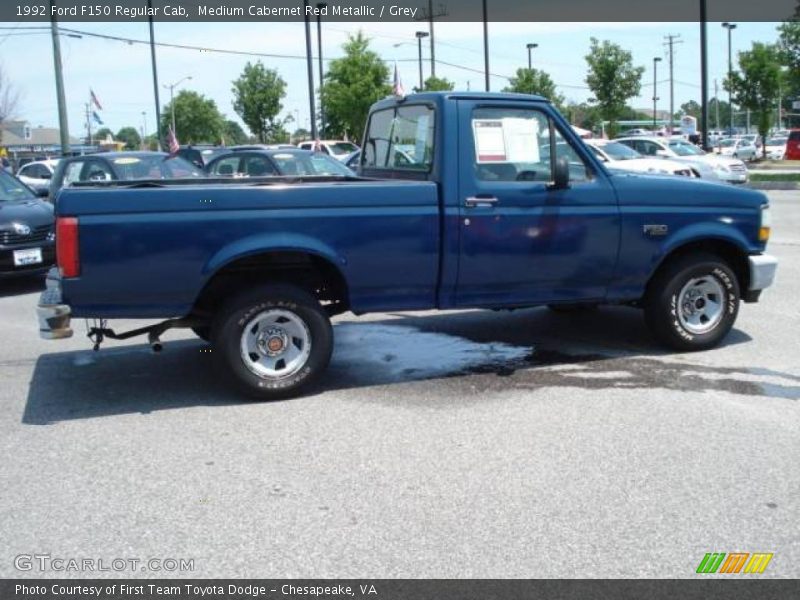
(530, 47)
(310, 67)
(703, 76)
(420, 35)
(716, 105)
(155, 72)
(656, 60)
(89, 123)
(486, 45)
(730, 27)
(320, 6)
(63, 126)
(428, 15)
(671, 41)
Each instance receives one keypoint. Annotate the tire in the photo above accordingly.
(576, 307)
(693, 303)
(204, 333)
(273, 341)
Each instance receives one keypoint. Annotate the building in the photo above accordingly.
(21, 141)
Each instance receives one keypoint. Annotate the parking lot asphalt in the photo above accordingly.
(470, 444)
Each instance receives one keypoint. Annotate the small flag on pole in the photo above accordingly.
(94, 99)
(97, 118)
(397, 87)
(317, 146)
(172, 141)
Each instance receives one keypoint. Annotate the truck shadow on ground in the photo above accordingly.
(19, 286)
(466, 354)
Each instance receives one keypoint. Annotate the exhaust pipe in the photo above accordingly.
(155, 343)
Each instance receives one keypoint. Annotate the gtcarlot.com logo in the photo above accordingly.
(61, 564)
(734, 562)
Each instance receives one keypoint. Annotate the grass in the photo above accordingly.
(767, 177)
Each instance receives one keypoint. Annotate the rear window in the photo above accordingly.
(400, 138)
(794, 136)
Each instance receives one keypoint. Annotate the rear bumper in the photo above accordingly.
(54, 316)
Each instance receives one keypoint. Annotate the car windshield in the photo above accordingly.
(777, 141)
(682, 148)
(11, 190)
(308, 163)
(155, 166)
(342, 148)
(727, 143)
(619, 151)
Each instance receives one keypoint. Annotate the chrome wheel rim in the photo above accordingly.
(701, 304)
(275, 344)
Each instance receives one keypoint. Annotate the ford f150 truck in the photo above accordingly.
(465, 200)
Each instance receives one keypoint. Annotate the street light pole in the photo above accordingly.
(155, 71)
(310, 68)
(320, 6)
(420, 35)
(171, 87)
(63, 125)
(656, 60)
(486, 46)
(703, 76)
(530, 47)
(730, 27)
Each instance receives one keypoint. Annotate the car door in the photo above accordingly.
(521, 241)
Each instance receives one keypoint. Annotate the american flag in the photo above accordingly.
(172, 141)
(397, 86)
(94, 99)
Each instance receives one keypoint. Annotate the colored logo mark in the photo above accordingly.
(734, 562)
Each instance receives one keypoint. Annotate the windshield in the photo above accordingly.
(297, 163)
(727, 143)
(12, 190)
(777, 141)
(154, 166)
(619, 151)
(685, 149)
(342, 148)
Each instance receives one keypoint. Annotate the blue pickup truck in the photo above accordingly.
(463, 200)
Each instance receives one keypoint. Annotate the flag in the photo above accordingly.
(172, 141)
(317, 146)
(97, 118)
(397, 87)
(94, 99)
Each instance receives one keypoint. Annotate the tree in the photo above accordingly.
(8, 99)
(612, 78)
(789, 45)
(197, 118)
(757, 86)
(234, 134)
(535, 81)
(131, 137)
(437, 84)
(301, 134)
(102, 134)
(257, 95)
(352, 84)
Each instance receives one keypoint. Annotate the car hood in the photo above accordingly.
(635, 189)
(29, 212)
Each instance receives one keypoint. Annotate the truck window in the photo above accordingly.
(515, 144)
(400, 138)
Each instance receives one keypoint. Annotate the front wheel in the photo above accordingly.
(273, 341)
(693, 303)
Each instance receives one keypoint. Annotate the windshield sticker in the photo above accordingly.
(128, 160)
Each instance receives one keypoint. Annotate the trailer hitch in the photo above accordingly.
(153, 332)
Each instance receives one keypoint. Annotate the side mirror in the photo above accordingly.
(42, 192)
(560, 174)
(47, 175)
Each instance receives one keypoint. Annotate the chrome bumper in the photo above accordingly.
(762, 271)
(54, 316)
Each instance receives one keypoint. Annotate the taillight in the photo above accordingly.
(67, 254)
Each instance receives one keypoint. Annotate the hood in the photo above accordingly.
(638, 190)
(35, 213)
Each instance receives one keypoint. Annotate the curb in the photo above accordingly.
(773, 185)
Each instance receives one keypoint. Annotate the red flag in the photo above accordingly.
(172, 141)
(397, 87)
(94, 99)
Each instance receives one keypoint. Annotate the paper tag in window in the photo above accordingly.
(490, 144)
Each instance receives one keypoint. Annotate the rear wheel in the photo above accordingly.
(273, 341)
(693, 303)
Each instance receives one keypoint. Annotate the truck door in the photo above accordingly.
(521, 240)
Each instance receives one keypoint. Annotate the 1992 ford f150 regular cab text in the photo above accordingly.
(466, 200)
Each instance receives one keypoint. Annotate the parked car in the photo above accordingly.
(38, 174)
(737, 148)
(339, 149)
(707, 166)
(503, 208)
(622, 157)
(265, 163)
(26, 229)
(753, 138)
(776, 147)
(121, 166)
(637, 131)
(793, 145)
(200, 156)
(401, 158)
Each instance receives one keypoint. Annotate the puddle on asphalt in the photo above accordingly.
(381, 354)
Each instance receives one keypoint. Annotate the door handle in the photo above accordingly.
(480, 201)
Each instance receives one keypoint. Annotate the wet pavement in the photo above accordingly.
(465, 444)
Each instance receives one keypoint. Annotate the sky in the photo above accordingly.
(120, 73)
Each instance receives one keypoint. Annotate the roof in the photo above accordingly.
(440, 96)
(40, 136)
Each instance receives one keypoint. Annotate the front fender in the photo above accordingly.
(705, 231)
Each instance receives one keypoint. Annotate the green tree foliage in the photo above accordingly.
(756, 85)
(352, 84)
(131, 137)
(301, 134)
(102, 133)
(437, 84)
(257, 96)
(612, 78)
(789, 45)
(535, 81)
(197, 119)
(234, 134)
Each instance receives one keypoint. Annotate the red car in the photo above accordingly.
(793, 145)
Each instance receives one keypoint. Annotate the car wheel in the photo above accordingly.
(273, 341)
(693, 303)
